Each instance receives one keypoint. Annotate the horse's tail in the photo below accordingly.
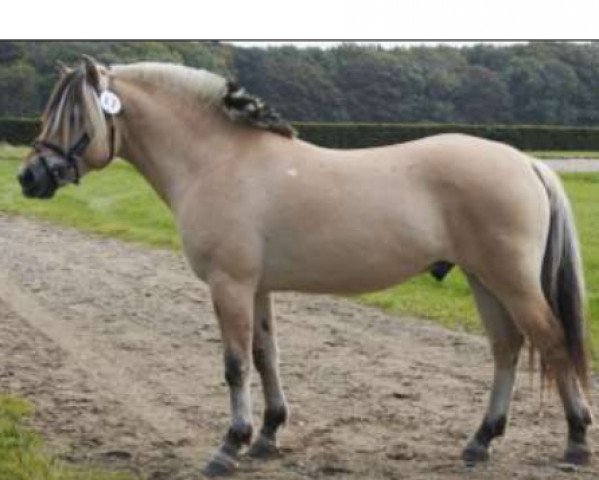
(562, 276)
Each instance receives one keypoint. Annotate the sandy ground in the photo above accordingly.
(117, 347)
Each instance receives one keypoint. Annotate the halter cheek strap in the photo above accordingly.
(110, 120)
(111, 108)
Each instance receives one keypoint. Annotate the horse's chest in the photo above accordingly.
(199, 262)
(199, 251)
(235, 250)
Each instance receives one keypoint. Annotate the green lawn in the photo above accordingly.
(22, 455)
(116, 202)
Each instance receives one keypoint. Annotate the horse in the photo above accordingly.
(259, 210)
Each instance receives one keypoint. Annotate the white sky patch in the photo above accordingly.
(317, 20)
(384, 44)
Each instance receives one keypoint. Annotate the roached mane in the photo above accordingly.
(211, 89)
(241, 106)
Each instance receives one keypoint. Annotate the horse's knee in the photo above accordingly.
(260, 356)
(236, 370)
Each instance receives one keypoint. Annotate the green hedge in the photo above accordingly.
(20, 131)
(525, 137)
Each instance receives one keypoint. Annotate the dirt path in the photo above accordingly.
(117, 347)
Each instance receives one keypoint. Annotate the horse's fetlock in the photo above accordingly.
(274, 417)
(240, 434)
(491, 428)
(577, 427)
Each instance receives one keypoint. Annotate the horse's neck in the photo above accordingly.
(169, 141)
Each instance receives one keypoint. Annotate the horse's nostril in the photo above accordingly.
(26, 177)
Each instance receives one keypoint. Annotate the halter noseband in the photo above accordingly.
(74, 151)
(70, 155)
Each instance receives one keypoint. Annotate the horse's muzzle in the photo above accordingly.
(36, 181)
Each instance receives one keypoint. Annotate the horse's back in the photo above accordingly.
(363, 219)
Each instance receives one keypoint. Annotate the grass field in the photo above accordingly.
(22, 455)
(118, 202)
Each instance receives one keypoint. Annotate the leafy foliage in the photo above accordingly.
(525, 137)
(18, 131)
(536, 83)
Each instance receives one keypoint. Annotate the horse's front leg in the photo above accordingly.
(234, 308)
(266, 360)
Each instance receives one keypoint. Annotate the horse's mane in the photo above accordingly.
(209, 89)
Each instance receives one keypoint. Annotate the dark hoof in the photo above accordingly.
(263, 448)
(221, 465)
(475, 453)
(578, 455)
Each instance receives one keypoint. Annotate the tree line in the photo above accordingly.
(552, 83)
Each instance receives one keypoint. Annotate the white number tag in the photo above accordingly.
(110, 103)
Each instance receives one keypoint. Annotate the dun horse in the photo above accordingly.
(259, 210)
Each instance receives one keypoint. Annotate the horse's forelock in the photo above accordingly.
(71, 92)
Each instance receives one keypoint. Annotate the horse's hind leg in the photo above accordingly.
(577, 414)
(266, 361)
(506, 342)
(534, 318)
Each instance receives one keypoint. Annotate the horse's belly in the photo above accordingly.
(343, 270)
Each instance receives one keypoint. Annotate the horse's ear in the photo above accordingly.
(62, 68)
(91, 70)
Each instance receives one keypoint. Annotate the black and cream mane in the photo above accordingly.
(212, 89)
(241, 106)
(202, 86)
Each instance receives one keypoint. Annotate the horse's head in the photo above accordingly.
(77, 131)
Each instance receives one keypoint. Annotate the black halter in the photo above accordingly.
(70, 155)
(74, 151)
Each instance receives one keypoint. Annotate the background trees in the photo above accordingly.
(540, 83)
